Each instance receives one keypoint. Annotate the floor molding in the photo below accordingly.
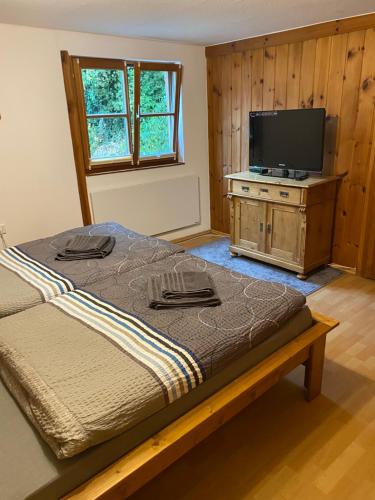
(219, 233)
(191, 236)
(345, 269)
(198, 235)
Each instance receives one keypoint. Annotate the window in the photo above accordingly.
(107, 114)
(128, 113)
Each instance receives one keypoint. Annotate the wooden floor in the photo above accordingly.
(282, 447)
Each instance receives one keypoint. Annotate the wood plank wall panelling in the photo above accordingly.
(336, 72)
(367, 246)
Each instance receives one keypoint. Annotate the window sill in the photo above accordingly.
(131, 168)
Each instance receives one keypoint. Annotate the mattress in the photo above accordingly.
(29, 469)
(30, 275)
(94, 362)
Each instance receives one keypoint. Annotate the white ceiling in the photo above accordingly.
(203, 22)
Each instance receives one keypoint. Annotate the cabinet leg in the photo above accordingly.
(314, 369)
(233, 254)
(302, 277)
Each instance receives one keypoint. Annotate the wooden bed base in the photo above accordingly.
(143, 463)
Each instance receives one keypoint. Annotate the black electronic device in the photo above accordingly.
(287, 143)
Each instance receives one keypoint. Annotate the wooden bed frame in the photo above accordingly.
(150, 458)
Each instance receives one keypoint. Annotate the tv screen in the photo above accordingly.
(291, 139)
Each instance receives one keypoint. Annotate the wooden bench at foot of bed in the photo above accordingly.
(150, 458)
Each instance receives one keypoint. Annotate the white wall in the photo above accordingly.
(38, 189)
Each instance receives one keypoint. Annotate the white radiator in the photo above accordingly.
(151, 208)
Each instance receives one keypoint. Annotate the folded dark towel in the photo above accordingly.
(98, 254)
(82, 243)
(157, 301)
(186, 284)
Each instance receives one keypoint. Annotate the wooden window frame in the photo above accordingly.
(80, 63)
(134, 161)
(171, 158)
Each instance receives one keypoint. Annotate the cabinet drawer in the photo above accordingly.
(267, 191)
(245, 188)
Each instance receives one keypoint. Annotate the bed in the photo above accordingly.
(30, 275)
(223, 358)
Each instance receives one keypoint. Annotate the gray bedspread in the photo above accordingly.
(94, 362)
(30, 275)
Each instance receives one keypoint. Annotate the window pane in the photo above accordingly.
(156, 135)
(108, 138)
(157, 91)
(104, 91)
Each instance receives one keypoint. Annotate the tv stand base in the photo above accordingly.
(263, 208)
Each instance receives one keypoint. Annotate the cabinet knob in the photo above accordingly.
(245, 189)
(284, 194)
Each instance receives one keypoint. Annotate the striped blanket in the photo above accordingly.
(94, 362)
(175, 367)
(47, 281)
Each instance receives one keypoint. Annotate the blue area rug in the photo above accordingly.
(218, 253)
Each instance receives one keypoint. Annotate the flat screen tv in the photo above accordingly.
(289, 140)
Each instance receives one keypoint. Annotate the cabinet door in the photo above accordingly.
(250, 222)
(284, 232)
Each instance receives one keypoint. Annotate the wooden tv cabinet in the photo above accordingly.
(282, 221)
